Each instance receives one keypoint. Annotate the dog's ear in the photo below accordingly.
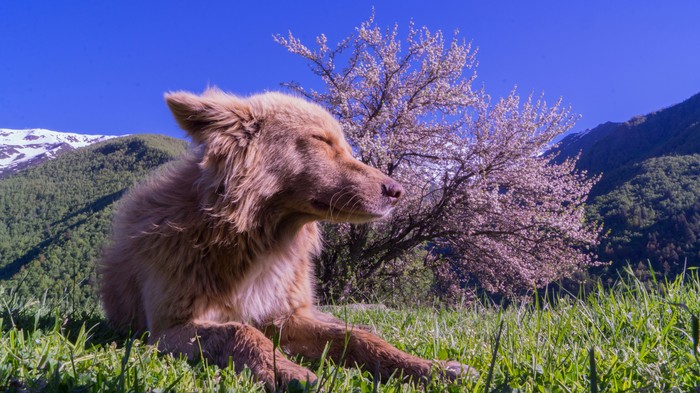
(214, 113)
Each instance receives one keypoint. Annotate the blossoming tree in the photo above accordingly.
(483, 206)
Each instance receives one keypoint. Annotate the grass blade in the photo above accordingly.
(593, 373)
(496, 344)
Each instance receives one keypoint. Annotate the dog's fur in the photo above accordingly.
(217, 248)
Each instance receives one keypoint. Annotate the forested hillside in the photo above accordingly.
(55, 216)
(654, 216)
(649, 194)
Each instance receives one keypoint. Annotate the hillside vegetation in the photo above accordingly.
(653, 214)
(642, 340)
(55, 216)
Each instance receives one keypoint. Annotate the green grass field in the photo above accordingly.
(643, 339)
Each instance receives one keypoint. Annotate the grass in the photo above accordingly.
(634, 337)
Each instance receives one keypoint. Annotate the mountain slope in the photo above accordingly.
(21, 149)
(649, 194)
(611, 146)
(56, 216)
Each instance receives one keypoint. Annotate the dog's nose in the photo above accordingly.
(392, 190)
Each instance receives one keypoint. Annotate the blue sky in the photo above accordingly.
(102, 67)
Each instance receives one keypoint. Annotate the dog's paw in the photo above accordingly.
(454, 371)
(288, 372)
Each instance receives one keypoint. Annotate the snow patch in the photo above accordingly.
(19, 147)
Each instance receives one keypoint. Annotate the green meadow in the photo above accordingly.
(632, 337)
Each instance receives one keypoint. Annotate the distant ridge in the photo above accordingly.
(669, 131)
(20, 149)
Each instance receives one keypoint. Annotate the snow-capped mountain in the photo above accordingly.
(20, 149)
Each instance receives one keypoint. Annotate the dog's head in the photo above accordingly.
(283, 152)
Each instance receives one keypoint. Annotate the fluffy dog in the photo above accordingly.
(217, 248)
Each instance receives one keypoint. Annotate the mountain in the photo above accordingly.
(611, 146)
(648, 197)
(54, 217)
(21, 149)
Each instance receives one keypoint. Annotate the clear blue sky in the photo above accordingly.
(103, 66)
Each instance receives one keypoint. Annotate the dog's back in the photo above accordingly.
(141, 238)
(168, 262)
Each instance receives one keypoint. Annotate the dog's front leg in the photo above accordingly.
(306, 334)
(245, 345)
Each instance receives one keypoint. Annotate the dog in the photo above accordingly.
(215, 251)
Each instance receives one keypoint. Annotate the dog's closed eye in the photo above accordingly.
(322, 139)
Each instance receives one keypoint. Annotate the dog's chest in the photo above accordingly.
(265, 291)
